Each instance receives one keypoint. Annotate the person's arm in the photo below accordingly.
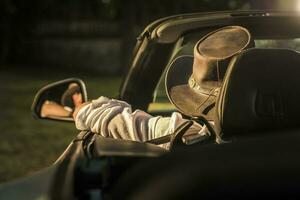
(78, 108)
(113, 118)
(52, 109)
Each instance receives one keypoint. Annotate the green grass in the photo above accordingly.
(26, 144)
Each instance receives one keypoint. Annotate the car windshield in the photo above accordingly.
(161, 104)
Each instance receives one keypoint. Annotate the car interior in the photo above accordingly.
(256, 113)
(256, 116)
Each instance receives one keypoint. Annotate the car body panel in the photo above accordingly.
(37, 186)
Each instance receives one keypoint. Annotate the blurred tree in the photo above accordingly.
(7, 10)
(97, 18)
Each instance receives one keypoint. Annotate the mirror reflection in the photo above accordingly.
(61, 101)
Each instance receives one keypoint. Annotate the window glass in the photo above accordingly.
(293, 44)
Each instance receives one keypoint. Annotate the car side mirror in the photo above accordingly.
(58, 100)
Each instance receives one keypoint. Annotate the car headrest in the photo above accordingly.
(260, 92)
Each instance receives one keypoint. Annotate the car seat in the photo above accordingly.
(260, 92)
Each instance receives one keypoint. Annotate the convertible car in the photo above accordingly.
(257, 113)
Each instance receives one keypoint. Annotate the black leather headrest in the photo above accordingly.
(260, 92)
